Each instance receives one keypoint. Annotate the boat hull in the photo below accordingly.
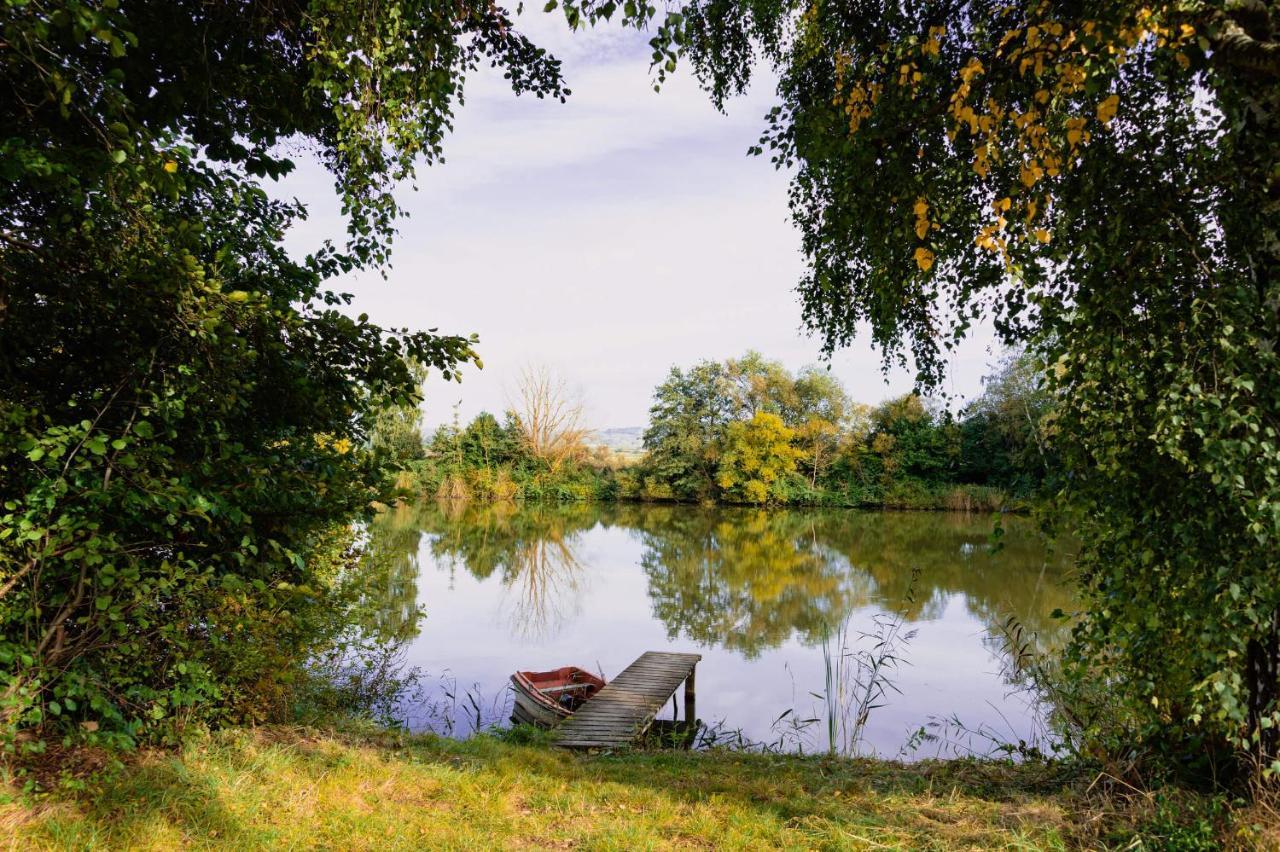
(527, 712)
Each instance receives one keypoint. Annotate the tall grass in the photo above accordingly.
(453, 487)
(859, 677)
(975, 498)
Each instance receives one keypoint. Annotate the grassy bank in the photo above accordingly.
(301, 788)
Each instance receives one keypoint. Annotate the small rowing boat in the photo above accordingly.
(545, 698)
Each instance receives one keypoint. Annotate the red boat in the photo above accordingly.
(545, 698)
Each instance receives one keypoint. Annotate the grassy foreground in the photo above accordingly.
(300, 788)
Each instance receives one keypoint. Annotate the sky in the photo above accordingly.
(607, 239)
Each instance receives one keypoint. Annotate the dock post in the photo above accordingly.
(690, 714)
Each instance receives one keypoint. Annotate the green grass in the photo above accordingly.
(297, 788)
(290, 788)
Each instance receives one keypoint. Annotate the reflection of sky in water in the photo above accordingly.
(599, 615)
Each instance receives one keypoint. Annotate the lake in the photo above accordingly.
(768, 597)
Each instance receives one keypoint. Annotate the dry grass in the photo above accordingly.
(453, 487)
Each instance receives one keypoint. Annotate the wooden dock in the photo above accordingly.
(624, 709)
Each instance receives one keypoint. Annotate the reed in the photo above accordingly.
(453, 487)
(859, 673)
(975, 498)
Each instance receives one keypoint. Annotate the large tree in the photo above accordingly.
(184, 408)
(1100, 180)
(691, 409)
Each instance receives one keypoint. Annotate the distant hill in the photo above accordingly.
(626, 439)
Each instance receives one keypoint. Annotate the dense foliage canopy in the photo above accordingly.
(184, 407)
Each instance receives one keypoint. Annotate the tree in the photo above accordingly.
(1005, 432)
(1100, 180)
(682, 441)
(822, 411)
(692, 411)
(760, 385)
(913, 439)
(757, 456)
(184, 410)
(550, 419)
(820, 439)
(486, 443)
(397, 429)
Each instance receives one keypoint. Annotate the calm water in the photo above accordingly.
(508, 587)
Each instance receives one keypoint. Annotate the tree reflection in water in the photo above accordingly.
(532, 548)
(742, 579)
(748, 579)
(389, 585)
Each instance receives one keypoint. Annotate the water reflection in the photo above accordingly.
(742, 579)
(389, 583)
(746, 580)
(532, 549)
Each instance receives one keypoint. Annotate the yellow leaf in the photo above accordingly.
(922, 228)
(1107, 109)
(924, 258)
(171, 167)
(921, 208)
(972, 69)
(1003, 204)
(1042, 235)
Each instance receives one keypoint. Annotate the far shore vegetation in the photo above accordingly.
(748, 431)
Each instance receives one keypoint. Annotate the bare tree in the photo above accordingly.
(550, 417)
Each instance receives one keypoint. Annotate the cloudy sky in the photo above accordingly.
(607, 238)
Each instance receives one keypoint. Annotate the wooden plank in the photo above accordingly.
(647, 688)
(627, 705)
(621, 729)
(613, 718)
